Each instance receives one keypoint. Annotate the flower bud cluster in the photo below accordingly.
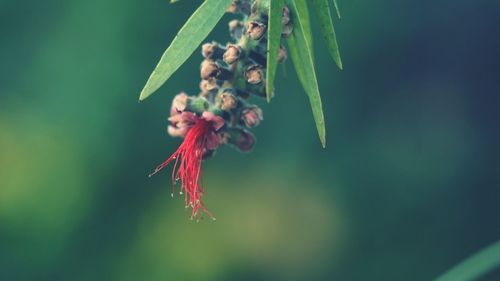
(230, 74)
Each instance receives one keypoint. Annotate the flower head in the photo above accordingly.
(200, 137)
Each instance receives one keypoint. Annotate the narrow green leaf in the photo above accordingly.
(306, 22)
(475, 266)
(322, 11)
(301, 53)
(337, 8)
(273, 43)
(197, 28)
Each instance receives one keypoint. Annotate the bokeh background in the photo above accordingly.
(407, 187)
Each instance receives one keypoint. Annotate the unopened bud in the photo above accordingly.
(212, 50)
(228, 100)
(233, 8)
(286, 30)
(285, 18)
(198, 104)
(251, 116)
(209, 69)
(208, 85)
(239, 6)
(236, 28)
(282, 55)
(179, 103)
(232, 54)
(254, 74)
(256, 30)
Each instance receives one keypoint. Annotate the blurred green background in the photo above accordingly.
(407, 187)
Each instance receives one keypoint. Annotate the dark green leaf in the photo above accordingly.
(197, 28)
(322, 11)
(273, 43)
(302, 57)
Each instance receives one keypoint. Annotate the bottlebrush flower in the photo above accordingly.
(200, 136)
(221, 113)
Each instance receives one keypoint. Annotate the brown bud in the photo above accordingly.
(179, 103)
(251, 116)
(233, 8)
(254, 74)
(286, 30)
(211, 50)
(285, 18)
(209, 69)
(236, 28)
(232, 54)
(282, 55)
(228, 101)
(256, 30)
(208, 85)
(239, 6)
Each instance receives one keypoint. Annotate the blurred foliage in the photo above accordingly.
(407, 188)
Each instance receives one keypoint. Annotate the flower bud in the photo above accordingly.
(285, 17)
(282, 55)
(233, 8)
(209, 69)
(236, 28)
(179, 103)
(254, 74)
(251, 116)
(198, 104)
(209, 85)
(256, 30)
(232, 54)
(286, 30)
(212, 50)
(239, 6)
(227, 100)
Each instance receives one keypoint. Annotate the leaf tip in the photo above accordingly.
(339, 64)
(268, 93)
(323, 141)
(144, 94)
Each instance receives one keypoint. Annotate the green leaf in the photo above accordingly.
(194, 31)
(337, 8)
(273, 43)
(306, 23)
(475, 266)
(322, 10)
(301, 53)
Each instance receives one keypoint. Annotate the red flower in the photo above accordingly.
(200, 135)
